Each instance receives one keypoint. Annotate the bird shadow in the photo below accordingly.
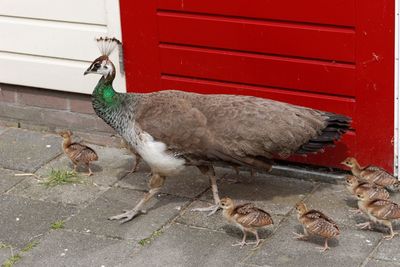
(82, 168)
(237, 233)
(333, 242)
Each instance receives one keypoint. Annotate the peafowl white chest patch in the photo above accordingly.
(154, 153)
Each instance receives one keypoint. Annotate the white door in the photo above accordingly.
(49, 44)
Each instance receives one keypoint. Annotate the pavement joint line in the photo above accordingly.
(44, 201)
(47, 162)
(369, 257)
(12, 187)
(70, 230)
(388, 261)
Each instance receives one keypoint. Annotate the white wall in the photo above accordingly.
(50, 43)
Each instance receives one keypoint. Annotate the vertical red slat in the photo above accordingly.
(375, 80)
(140, 44)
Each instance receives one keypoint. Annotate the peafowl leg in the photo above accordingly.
(138, 158)
(155, 184)
(209, 170)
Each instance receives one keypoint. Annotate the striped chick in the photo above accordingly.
(316, 223)
(78, 153)
(247, 217)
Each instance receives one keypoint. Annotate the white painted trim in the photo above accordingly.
(113, 18)
(396, 90)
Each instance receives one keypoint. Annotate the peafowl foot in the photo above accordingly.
(213, 209)
(126, 216)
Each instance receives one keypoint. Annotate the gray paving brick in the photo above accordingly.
(350, 249)
(5, 253)
(336, 202)
(62, 248)
(388, 250)
(217, 221)
(189, 183)
(112, 165)
(94, 217)
(184, 246)
(280, 193)
(2, 129)
(8, 179)
(380, 263)
(27, 150)
(24, 219)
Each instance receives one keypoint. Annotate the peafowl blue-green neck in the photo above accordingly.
(111, 106)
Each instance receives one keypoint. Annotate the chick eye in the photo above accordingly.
(97, 65)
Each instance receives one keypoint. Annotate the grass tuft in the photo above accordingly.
(11, 261)
(148, 240)
(2, 245)
(61, 177)
(30, 246)
(57, 225)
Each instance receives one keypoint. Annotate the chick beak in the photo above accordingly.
(86, 72)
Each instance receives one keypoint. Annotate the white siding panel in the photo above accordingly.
(50, 39)
(51, 73)
(50, 43)
(83, 11)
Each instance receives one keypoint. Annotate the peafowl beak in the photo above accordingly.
(87, 71)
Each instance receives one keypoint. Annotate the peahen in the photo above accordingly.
(173, 129)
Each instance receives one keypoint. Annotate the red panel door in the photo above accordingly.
(330, 55)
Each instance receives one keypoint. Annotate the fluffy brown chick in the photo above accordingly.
(356, 186)
(316, 223)
(78, 153)
(381, 211)
(247, 217)
(372, 174)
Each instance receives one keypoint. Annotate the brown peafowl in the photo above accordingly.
(173, 129)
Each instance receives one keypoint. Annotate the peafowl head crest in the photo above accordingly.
(103, 65)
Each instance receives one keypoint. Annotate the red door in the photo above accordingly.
(331, 55)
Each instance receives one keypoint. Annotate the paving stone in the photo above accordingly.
(24, 219)
(8, 179)
(388, 250)
(63, 248)
(336, 202)
(93, 218)
(77, 194)
(2, 129)
(277, 195)
(184, 246)
(217, 222)
(281, 249)
(5, 253)
(189, 183)
(112, 165)
(27, 150)
(379, 263)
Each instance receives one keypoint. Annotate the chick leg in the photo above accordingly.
(241, 244)
(258, 240)
(392, 233)
(364, 225)
(304, 236)
(325, 247)
(90, 173)
(155, 184)
(209, 170)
